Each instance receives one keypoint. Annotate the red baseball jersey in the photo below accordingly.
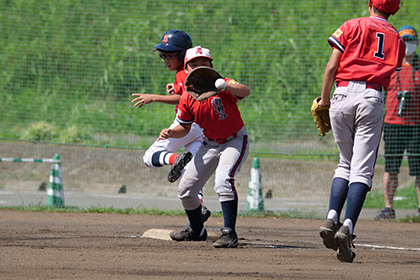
(218, 116)
(372, 50)
(180, 78)
(404, 81)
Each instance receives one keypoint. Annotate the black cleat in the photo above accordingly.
(205, 213)
(327, 233)
(386, 214)
(344, 242)
(228, 239)
(186, 234)
(178, 166)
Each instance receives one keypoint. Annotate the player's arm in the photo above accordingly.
(238, 90)
(329, 77)
(178, 131)
(143, 99)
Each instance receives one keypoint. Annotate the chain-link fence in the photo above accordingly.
(69, 69)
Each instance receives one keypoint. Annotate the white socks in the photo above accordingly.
(348, 223)
(333, 215)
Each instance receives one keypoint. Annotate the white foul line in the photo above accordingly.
(387, 247)
(291, 247)
(283, 246)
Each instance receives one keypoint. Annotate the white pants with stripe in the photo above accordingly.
(191, 142)
(225, 160)
(357, 117)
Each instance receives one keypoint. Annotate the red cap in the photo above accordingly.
(386, 6)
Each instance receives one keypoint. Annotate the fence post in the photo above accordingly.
(55, 194)
(255, 200)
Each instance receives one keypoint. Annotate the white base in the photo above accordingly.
(163, 234)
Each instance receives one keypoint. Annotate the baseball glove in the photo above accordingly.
(321, 115)
(200, 83)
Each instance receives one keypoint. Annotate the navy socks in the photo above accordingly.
(355, 199)
(230, 210)
(339, 189)
(196, 221)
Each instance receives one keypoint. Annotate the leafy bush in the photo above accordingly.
(39, 131)
(43, 131)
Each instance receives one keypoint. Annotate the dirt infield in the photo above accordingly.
(110, 246)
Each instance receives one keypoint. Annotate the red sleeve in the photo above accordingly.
(180, 77)
(184, 114)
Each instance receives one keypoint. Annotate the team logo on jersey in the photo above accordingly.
(337, 33)
(165, 39)
(219, 108)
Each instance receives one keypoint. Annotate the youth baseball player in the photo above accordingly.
(366, 51)
(172, 50)
(224, 149)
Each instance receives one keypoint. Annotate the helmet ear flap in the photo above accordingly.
(175, 41)
(181, 55)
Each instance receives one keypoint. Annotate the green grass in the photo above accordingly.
(405, 198)
(410, 219)
(156, 212)
(97, 209)
(73, 65)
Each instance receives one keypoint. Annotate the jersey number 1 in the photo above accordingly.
(380, 51)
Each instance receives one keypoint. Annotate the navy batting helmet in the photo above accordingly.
(175, 41)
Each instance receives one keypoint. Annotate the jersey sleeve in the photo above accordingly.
(180, 77)
(184, 114)
(231, 81)
(337, 40)
(401, 54)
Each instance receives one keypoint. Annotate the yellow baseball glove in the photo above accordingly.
(321, 115)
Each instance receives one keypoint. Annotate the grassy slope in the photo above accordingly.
(75, 64)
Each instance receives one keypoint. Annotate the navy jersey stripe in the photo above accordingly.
(336, 43)
(184, 122)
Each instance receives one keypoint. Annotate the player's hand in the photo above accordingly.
(142, 99)
(323, 102)
(165, 134)
(170, 88)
